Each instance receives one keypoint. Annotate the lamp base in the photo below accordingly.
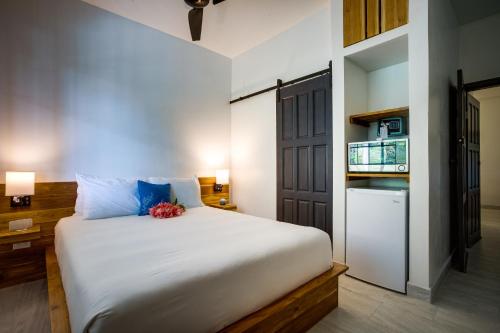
(20, 201)
(218, 187)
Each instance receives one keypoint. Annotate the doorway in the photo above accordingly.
(304, 153)
(474, 159)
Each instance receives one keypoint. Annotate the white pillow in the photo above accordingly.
(104, 198)
(186, 190)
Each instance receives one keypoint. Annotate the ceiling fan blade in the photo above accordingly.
(195, 21)
(217, 1)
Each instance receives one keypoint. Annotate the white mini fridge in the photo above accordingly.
(377, 236)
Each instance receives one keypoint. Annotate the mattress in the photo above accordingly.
(195, 273)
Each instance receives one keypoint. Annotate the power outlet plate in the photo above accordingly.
(23, 245)
(20, 224)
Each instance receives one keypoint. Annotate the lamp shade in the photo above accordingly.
(222, 176)
(19, 183)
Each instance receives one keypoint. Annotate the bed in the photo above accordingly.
(206, 271)
(212, 265)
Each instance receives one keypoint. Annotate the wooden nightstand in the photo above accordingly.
(228, 206)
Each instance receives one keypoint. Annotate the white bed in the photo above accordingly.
(195, 273)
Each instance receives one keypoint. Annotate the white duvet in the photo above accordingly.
(195, 273)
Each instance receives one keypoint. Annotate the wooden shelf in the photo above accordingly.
(364, 119)
(358, 176)
(11, 237)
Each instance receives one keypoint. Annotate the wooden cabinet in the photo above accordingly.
(394, 14)
(354, 21)
(367, 18)
(372, 18)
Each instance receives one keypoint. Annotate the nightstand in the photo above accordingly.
(228, 206)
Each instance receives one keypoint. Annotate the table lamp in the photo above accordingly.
(20, 186)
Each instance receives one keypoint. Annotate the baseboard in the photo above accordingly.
(442, 274)
(490, 207)
(429, 294)
(418, 292)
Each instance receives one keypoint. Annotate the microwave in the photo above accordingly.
(379, 156)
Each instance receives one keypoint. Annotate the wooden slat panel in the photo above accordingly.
(58, 309)
(394, 13)
(354, 21)
(47, 196)
(372, 18)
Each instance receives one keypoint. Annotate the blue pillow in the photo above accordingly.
(150, 195)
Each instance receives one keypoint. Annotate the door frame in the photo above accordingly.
(458, 232)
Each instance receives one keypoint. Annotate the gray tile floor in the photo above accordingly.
(466, 302)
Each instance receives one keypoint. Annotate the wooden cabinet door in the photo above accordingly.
(394, 13)
(372, 18)
(354, 21)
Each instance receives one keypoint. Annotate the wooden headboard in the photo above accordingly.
(208, 195)
(52, 202)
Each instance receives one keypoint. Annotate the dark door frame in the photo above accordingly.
(483, 84)
(458, 234)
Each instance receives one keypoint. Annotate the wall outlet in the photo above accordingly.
(23, 245)
(20, 224)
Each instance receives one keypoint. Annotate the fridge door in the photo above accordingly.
(376, 244)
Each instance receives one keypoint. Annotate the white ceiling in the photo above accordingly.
(472, 10)
(486, 93)
(230, 28)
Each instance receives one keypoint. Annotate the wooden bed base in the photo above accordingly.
(296, 312)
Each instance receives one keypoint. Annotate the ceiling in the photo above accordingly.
(487, 93)
(230, 28)
(472, 10)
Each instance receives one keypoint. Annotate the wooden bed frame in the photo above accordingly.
(296, 312)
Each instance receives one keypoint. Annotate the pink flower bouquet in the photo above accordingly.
(165, 210)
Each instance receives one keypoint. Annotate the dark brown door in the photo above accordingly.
(466, 199)
(460, 173)
(304, 153)
(473, 221)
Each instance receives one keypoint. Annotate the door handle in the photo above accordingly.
(461, 140)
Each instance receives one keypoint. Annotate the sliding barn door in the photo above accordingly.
(304, 153)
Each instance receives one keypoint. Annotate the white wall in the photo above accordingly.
(303, 49)
(85, 90)
(490, 154)
(253, 155)
(339, 128)
(480, 49)
(418, 53)
(443, 51)
(388, 87)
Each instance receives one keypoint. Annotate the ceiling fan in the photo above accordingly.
(195, 16)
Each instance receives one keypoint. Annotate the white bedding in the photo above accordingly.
(195, 273)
